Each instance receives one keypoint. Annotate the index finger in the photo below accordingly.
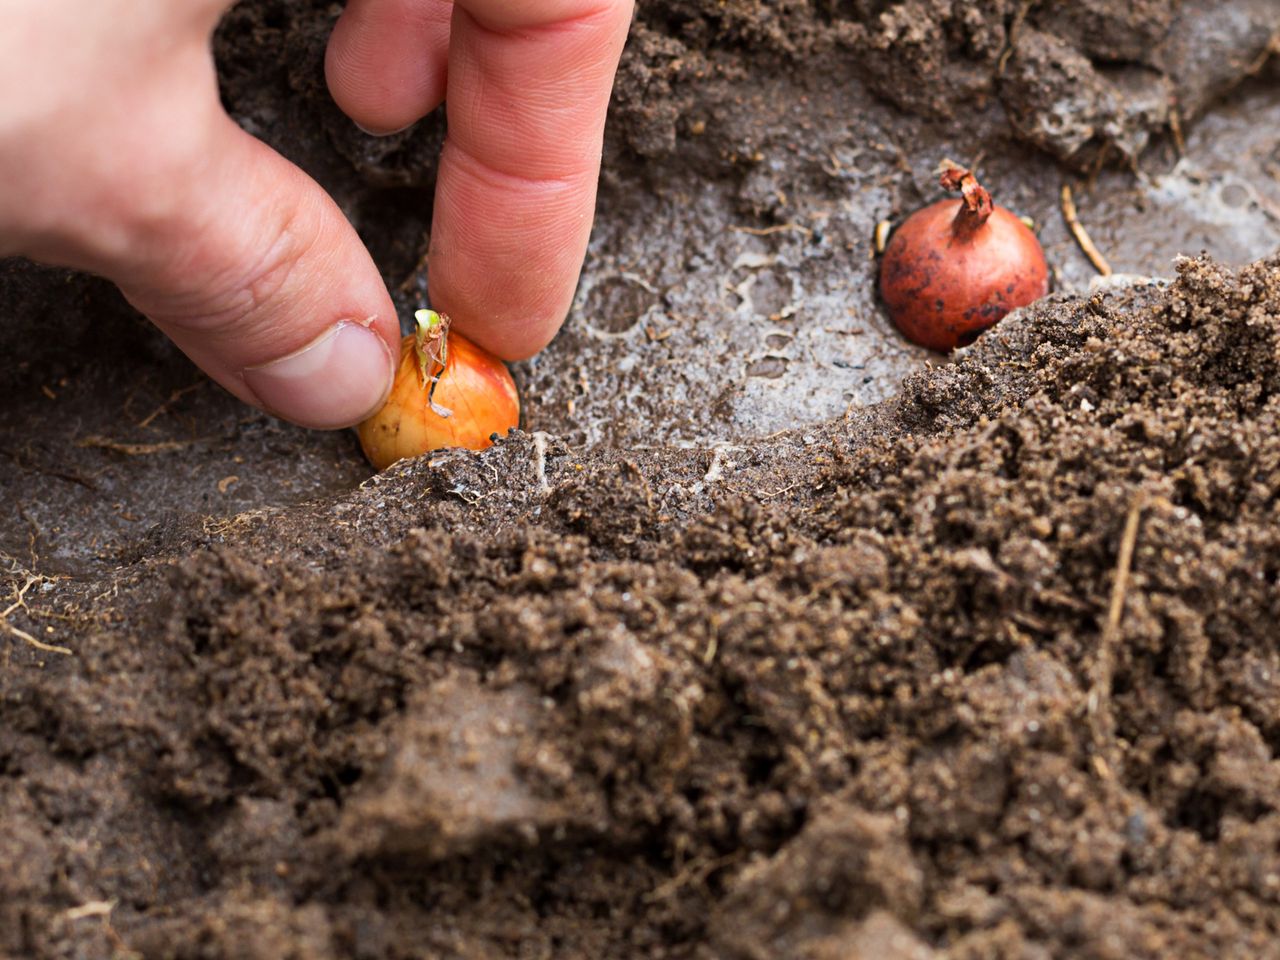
(529, 84)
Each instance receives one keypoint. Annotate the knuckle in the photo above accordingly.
(234, 287)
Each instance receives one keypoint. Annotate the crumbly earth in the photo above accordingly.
(989, 669)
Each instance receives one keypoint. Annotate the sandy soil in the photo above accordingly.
(767, 639)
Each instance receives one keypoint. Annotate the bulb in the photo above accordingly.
(956, 267)
(448, 392)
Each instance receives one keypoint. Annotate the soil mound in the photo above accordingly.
(989, 670)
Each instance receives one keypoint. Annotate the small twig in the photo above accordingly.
(28, 639)
(776, 228)
(778, 493)
(899, 155)
(1081, 234)
(1099, 700)
(639, 281)
(173, 398)
(1175, 128)
(94, 908)
(540, 461)
(134, 449)
(1012, 36)
(102, 909)
(1269, 209)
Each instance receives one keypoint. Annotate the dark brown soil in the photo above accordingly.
(990, 669)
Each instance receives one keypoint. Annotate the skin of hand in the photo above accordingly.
(116, 157)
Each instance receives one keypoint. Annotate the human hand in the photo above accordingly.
(116, 157)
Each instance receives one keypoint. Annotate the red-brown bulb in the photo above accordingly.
(956, 267)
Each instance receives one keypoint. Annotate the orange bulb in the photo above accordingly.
(448, 392)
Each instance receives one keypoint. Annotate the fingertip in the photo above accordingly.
(512, 341)
(386, 62)
(506, 252)
(380, 133)
(339, 379)
(516, 189)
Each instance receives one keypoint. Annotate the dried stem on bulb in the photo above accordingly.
(955, 267)
(976, 206)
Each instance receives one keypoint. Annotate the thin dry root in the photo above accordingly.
(1078, 231)
(134, 449)
(776, 228)
(20, 603)
(1099, 700)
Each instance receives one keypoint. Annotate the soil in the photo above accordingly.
(768, 638)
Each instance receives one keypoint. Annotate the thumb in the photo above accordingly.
(264, 284)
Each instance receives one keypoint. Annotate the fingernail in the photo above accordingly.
(382, 133)
(338, 379)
